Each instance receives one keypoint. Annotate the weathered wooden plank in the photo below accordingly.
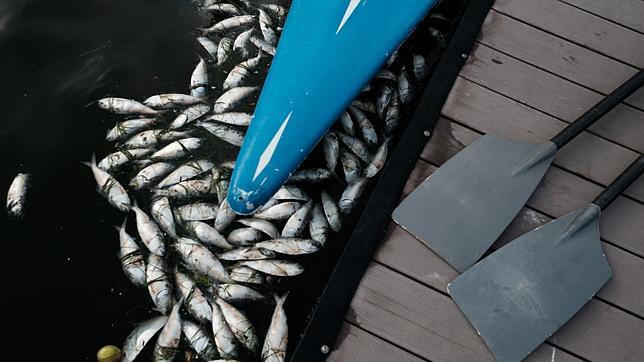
(354, 344)
(626, 12)
(556, 55)
(579, 27)
(559, 192)
(428, 323)
(551, 94)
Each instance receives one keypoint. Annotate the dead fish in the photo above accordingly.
(197, 211)
(263, 45)
(170, 336)
(365, 106)
(151, 138)
(385, 92)
(239, 325)
(125, 106)
(233, 118)
(222, 189)
(209, 45)
(243, 274)
(290, 246)
(266, 26)
(244, 236)
(202, 260)
(207, 234)
(347, 123)
(262, 225)
(351, 195)
(267, 205)
(421, 68)
(151, 174)
(225, 216)
(225, 340)
(224, 49)
(195, 301)
(233, 293)
(405, 88)
(140, 336)
(120, 158)
(163, 101)
(392, 117)
(275, 343)
(331, 211)
(311, 175)
(331, 150)
(177, 149)
(319, 226)
(162, 214)
(149, 232)
(159, 284)
(186, 171)
(280, 211)
(356, 146)
(278, 11)
(367, 130)
(246, 253)
(351, 165)
(108, 187)
(224, 132)
(128, 128)
(199, 339)
(17, 194)
(241, 43)
(386, 75)
(231, 23)
(378, 160)
(296, 224)
(278, 268)
(199, 77)
(291, 192)
(189, 115)
(232, 98)
(188, 189)
(238, 75)
(227, 9)
(131, 257)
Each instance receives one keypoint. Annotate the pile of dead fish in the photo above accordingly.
(202, 264)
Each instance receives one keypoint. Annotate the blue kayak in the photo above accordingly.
(327, 52)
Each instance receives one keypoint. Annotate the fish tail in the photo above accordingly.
(279, 300)
(119, 228)
(92, 161)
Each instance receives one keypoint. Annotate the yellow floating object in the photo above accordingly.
(109, 353)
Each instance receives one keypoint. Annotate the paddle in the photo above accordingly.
(463, 207)
(521, 294)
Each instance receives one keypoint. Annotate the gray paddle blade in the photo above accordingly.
(521, 294)
(462, 208)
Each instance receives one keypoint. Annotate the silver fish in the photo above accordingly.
(241, 43)
(149, 232)
(386, 74)
(231, 23)
(162, 101)
(120, 158)
(195, 301)
(222, 190)
(186, 171)
(131, 257)
(420, 67)
(198, 257)
(262, 225)
(227, 9)
(392, 116)
(199, 77)
(169, 338)
(356, 146)
(239, 325)
(224, 49)
(159, 284)
(244, 274)
(233, 118)
(263, 45)
(232, 98)
(200, 340)
(331, 211)
(238, 75)
(188, 189)
(17, 195)
(347, 123)
(128, 128)
(177, 149)
(385, 92)
(291, 192)
(319, 226)
(150, 138)
(367, 130)
(365, 106)
(151, 174)
(225, 216)
(278, 11)
(224, 132)
(280, 211)
(209, 45)
(189, 115)
(378, 160)
(405, 88)
(296, 224)
(246, 253)
(279, 268)
(352, 194)
(207, 234)
(162, 214)
(140, 336)
(311, 175)
(244, 236)
(125, 106)
(266, 26)
(290, 246)
(108, 187)
(197, 211)
(233, 293)
(275, 343)
(350, 165)
(331, 150)
(224, 338)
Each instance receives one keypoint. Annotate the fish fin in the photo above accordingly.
(279, 300)
(119, 228)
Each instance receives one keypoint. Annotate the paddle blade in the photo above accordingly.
(523, 293)
(462, 208)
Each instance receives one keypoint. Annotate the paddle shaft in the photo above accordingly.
(599, 110)
(620, 184)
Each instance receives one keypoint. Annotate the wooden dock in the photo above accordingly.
(537, 65)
